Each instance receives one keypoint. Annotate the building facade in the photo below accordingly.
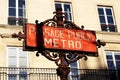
(101, 16)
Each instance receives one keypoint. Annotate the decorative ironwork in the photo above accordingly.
(62, 58)
(56, 56)
(59, 20)
(50, 74)
(100, 43)
(20, 35)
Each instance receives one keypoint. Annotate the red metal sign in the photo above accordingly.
(31, 35)
(69, 39)
(62, 38)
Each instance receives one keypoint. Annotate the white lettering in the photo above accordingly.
(70, 44)
(78, 44)
(63, 43)
(80, 35)
(31, 30)
(46, 32)
(49, 41)
(55, 43)
(54, 33)
(71, 34)
(66, 39)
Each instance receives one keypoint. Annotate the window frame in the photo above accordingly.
(63, 10)
(114, 73)
(17, 56)
(74, 75)
(16, 19)
(16, 74)
(112, 53)
(107, 25)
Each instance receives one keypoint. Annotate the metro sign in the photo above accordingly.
(61, 38)
(30, 31)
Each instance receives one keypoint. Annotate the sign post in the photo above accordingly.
(59, 40)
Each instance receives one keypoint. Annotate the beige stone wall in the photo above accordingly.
(39, 10)
(6, 40)
(84, 13)
(3, 11)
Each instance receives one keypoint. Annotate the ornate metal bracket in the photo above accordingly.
(61, 58)
(20, 35)
(100, 43)
(56, 56)
(59, 20)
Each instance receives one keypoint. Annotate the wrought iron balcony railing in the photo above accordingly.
(10, 73)
(109, 28)
(16, 21)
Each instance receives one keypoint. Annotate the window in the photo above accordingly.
(106, 18)
(113, 62)
(17, 12)
(66, 8)
(74, 74)
(17, 58)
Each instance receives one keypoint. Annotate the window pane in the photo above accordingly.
(108, 11)
(111, 65)
(22, 21)
(21, 3)
(110, 19)
(112, 28)
(22, 58)
(12, 77)
(73, 65)
(12, 52)
(118, 65)
(109, 56)
(67, 11)
(12, 12)
(12, 3)
(22, 53)
(103, 27)
(12, 21)
(22, 62)
(12, 62)
(20, 12)
(68, 16)
(102, 19)
(67, 7)
(57, 5)
(100, 11)
(23, 77)
(117, 57)
(74, 71)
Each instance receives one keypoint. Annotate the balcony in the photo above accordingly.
(10, 73)
(16, 21)
(109, 28)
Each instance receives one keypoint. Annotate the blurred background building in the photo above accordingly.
(101, 16)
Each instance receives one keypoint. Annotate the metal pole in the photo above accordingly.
(63, 69)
